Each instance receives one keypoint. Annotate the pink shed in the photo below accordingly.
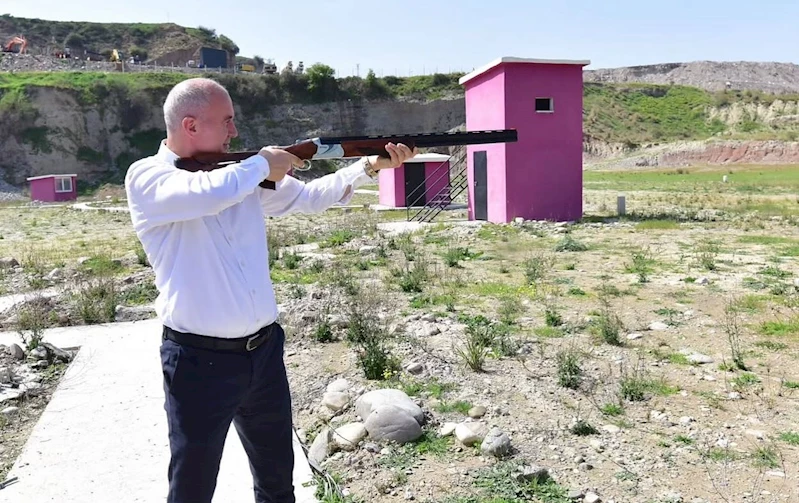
(53, 188)
(540, 176)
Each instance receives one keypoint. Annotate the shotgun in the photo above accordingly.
(343, 147)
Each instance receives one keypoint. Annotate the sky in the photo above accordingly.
(413, 37)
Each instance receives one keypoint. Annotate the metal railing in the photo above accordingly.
(456, 176)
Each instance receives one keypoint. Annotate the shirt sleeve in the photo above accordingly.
(294, 196)
(159, 193)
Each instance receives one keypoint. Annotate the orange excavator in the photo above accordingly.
(16, 41)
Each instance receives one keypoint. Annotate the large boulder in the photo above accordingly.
(370, 401)
(390, 422)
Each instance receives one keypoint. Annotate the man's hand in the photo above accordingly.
(399, 154)
(280, 162)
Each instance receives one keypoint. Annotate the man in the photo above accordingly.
(204, 234)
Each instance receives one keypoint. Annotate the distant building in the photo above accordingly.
(213, 58)
(53, 188)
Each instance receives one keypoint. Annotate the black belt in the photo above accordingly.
(248, 343)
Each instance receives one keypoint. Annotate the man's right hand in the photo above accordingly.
(280, 162)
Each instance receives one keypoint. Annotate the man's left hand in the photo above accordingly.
(399, 154)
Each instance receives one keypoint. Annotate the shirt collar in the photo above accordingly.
(166, 154)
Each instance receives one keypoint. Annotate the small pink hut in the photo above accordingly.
(53, 188)
(420, 180)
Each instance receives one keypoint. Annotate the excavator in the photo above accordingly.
(16, 41)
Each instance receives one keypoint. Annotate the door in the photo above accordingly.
(414, 184)
(480, 185)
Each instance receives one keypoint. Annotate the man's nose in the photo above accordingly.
(232, 131)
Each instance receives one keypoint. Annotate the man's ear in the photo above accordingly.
(189, 125)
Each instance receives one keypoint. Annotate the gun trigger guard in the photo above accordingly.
(306, 165)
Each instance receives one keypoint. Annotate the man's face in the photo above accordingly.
(215, 127)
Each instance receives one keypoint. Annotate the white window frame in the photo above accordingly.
(59, 181)
(551, 105)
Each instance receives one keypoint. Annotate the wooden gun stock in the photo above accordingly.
(342, 147)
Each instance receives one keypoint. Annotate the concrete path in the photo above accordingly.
(103, 436)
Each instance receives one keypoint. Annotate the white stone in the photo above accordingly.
(592, 498)
(335, 400)
(348, 436)
(369, 401)
(447, 429)
(341, 385)
(469, 433)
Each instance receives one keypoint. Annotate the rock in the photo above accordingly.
(8, 262)
(447, 429)
(369, 401)
(320, 449)
(15, 351)
(428, 330)
(592, 498)
(611, 428)
(586, 467)
(686, 420)
(699, 358)
(469, 433)
(415, 368)
(5, 375)
(348, 436)
(134, 313)
(496, 443)
(367, 249)
(339, 385)
(55, 354)
(390, 422)
(53, 275)
(597, 445)
(633, 337)
(576, 495)
(38, 353)
(477, 411)
(658, 325)
(672, 497)
(757, 434)
(371, 447)
(531, 473)
(335, 400)
(9, 411)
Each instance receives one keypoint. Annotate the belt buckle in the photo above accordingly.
(248, 347)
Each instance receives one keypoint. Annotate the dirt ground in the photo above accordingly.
(649, 358)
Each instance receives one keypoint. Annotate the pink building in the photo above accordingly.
(51, 188)
(540, 177)
(417, 182)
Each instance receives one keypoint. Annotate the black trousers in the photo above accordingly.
(207, 390)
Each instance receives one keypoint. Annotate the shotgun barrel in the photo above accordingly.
(343, 147)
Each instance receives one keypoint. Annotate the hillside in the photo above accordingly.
(149, 41)
(768, 77)
(97, 123)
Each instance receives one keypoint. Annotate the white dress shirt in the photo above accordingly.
(204, 234)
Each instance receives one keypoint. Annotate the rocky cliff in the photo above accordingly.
(770, 77)
(99, 140)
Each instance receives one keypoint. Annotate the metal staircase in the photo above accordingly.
(458, 183)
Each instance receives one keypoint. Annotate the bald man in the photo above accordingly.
(205, 235)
